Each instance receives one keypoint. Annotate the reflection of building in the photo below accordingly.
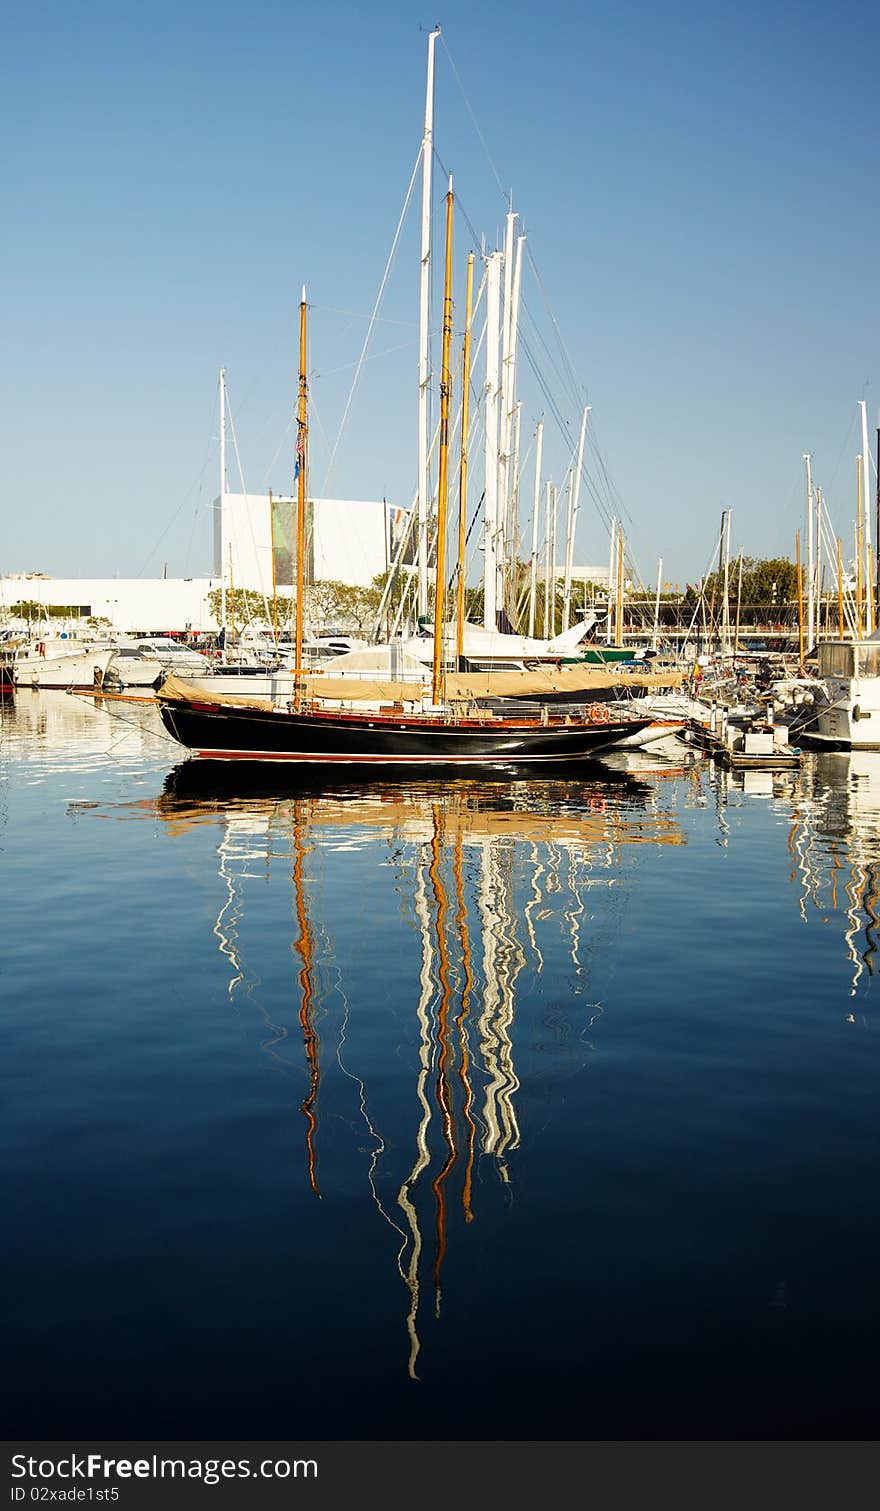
(348, 540)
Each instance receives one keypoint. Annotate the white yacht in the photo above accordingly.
(847, 709)
(63, 662)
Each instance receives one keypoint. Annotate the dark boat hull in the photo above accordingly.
(228, 733)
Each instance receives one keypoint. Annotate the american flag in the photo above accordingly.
(300, 450)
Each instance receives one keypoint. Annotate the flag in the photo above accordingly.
(300, 451)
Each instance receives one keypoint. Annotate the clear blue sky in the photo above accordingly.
(697, 182)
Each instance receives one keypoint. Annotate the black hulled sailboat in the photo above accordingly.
(406, 728)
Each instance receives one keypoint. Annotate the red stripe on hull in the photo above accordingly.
(380, 760)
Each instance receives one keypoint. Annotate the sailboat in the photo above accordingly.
(411, 726)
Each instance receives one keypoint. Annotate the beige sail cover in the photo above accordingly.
(458, 687)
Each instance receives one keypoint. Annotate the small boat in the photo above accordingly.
(172, 655)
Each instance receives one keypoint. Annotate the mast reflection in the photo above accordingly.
(832, 810)
(491, 876)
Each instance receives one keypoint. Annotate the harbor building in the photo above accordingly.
(125, 603)
(347, 540)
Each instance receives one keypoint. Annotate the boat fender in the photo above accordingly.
(856, 713)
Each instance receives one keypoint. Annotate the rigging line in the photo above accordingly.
(379, 1146)
(476, 239)
(576, 387)
(576, 392)
(194, 484)
(527, 312)
(373, 357)
(475, 123)
(192, 530)
(603, 505)
(605, 508)
(158, 734)
(316, 416)
(332, 309)
(526, 308)
(842, 450)
(564, 428)
(250, 519)
(288, 428)
(373, 318)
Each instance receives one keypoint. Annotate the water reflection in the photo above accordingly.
(55, 731)
(494, 879)
(491, 875)
(831, 809)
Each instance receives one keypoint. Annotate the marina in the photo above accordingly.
(441, 831)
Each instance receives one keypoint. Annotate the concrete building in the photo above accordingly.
(127, 603)
(347, 540)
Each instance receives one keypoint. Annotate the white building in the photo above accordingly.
(127, 603)
(579, 575)
(347, 540)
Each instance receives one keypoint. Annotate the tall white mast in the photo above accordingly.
(555, 530)
(725, 608)
(424, 491)
(222, 493)
(866, 492)
(566, 592)
(512, 411)
(490, 508)
(547, 528)
(655, 638)
(513, 532)
(612, 579)
(811, 578)
(817, 558)
(819, 528)
(504, 417)
(569, 546)
(533, 574)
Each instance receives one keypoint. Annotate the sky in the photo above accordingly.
(695, 181)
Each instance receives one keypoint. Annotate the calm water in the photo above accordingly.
(457, 1109)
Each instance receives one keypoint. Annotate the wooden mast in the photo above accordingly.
(840, 629)
(462, 477)
(443, 479)
(222, 496)
(303, 946)
(301, 438)
(859, 549)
